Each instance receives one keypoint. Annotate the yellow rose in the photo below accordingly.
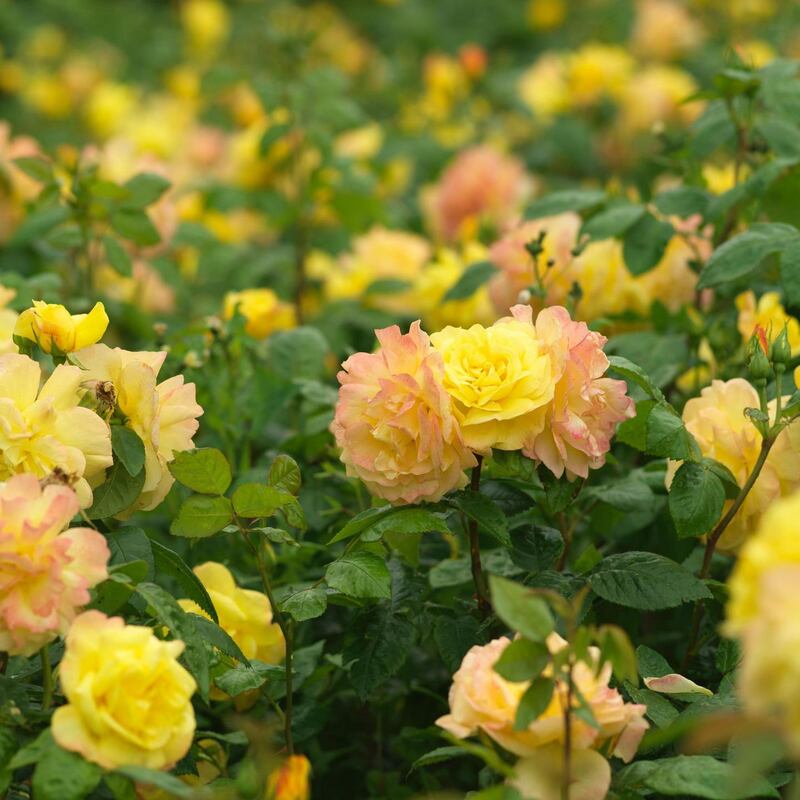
(763, 610)
(206, 24)
(290, 780)
(717, 421)
(128, 698)
(264, 311)
(245, 615)
(55, 330)
(501, 380)
(774, 544)
(8, 320)
(769, 314)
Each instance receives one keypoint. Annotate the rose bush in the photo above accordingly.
(399, 400)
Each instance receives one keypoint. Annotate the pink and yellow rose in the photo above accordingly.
(395, 422)
(45, 571)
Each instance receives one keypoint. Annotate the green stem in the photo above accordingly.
(478, 577)
(714, 537)
(286, 629)
(47, 679)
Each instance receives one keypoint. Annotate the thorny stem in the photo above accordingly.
(286, 629)
(47, 679)
(474, 548)
(715, 535)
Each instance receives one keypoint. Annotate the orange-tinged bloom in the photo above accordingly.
(395, 423)
(718, 423)
(480, 185)
(290, 780)
(55, 330)
(45, 571)
(245, 615)
(481, 700)
(45, 431)
(586, 407)
(128, 698)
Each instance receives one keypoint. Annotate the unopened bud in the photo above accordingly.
(781, 349)
(757, 362)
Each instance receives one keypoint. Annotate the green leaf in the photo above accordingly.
(168, 562)
(646, 581)
(361, 574)
(117, 256)
(537, 548)
(630, 493)
(64, 776)
(298, 353)
(128, 545)
(634, 373)
(790, 271)
(439, 755)
(253, 500)
(117, 493)
(204, 470)
(568, 200)
(405, 520)
(696, 499)
(284, 474)
(240, 679)
(743, 254)
(695, 776)
(161, 780)
(380, 648)
(201, 515)
(522, 660)
(145, 188)
(781, 134)
(360, 522)
(473, 277)
(521, 608)
(667, 435)
(128, 448)
(645, 242)
(306, 602)
(135, 225)
(181, 626)
(38, 223)
(682, 201)
(211, 633)
(613, 221)
(36, 167)
(454, 636)
(485, 512)
(534, 702)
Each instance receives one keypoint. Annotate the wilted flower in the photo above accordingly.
(55, 330)
(129, 701)
(586, 407)
(395, 423)
(45, 571)
(264, 311)
(45, 431)
(501, 379)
